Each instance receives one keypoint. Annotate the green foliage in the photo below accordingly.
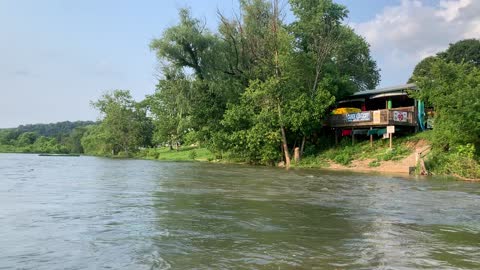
(450, 82)
(465, 51)
(189, 153)
(459, 162)
(64, 137)
(343, 158)
(54, 130)
(452, 89)
(397, 153)
(26, 138)
(374, 163)
(125, 126)
(345, 152)
(259, 83)
(424, 67)
(94, 141)
(193, 154)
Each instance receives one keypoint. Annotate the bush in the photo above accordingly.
(459, 161)
(343, 158)
(374, 163)
(192, 154)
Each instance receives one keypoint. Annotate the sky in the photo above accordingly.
(57, 56)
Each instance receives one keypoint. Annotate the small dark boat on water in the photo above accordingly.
(58, 155)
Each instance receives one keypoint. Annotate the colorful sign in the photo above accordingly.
(376, 117)
(358, 117)
(399, 116)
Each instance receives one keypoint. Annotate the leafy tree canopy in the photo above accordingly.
(464, 51)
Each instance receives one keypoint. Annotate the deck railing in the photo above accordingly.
(404, 116)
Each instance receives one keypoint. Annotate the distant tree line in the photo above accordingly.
(62, 137)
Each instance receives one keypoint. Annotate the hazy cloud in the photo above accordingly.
(404, 34)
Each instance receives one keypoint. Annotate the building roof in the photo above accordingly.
(398, 88)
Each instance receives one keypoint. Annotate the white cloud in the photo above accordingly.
(451, 9)
(402, 35)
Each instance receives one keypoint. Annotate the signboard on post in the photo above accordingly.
(399, 116)
(358, 117)
(390, 129)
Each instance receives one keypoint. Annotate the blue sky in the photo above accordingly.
(57, 56)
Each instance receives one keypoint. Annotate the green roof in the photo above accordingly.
(398, 88)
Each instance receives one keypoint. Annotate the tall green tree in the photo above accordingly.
(125, 124)
(190, 48)
(464, 51)
(170, 107)
(453, 90)
(259, 84)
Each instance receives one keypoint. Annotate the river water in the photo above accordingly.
(95, 213)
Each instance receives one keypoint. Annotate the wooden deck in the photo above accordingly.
(405, 116)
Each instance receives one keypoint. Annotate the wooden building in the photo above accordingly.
(370, 112)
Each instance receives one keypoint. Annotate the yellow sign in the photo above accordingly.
(376, 117)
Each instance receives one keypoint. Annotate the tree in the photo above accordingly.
(26, 138)
(329, 58)
(259, 84)
(125, 124)
(453, 90)
(170, 108)
(464, 51)
(190, 48)
(73, 142)
(187, 45)
(95, 141)
(424, 67)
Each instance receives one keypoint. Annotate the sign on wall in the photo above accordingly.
(376, 117)
(399, 116)
(358, 117)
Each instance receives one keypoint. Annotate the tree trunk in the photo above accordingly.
(302, 147)
(285, 147)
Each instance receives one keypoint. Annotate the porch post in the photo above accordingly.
(371, 138)
(353, 136)
(336, 137)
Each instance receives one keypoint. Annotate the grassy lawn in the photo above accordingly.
(186, 153)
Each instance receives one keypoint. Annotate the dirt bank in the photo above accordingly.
(395, 167)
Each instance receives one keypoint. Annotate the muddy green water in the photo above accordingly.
(94, 213)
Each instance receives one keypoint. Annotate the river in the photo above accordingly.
(97, 213)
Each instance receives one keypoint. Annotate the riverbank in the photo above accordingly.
(360, 157)
(365, 157)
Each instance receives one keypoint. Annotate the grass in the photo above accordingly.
(186, 153)
(453, 163)
(345, 152)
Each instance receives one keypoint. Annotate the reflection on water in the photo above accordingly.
(78, 213)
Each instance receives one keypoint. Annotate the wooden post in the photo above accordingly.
(353, 137)
(296, 155)
(336, 137)
(371, 138)
(391, 136)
